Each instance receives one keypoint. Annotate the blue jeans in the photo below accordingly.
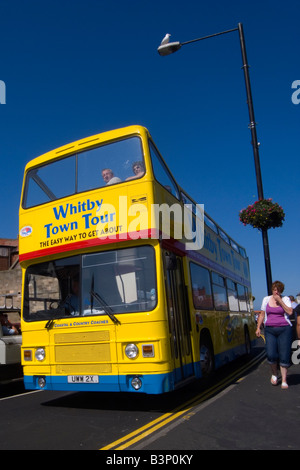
(278, 344)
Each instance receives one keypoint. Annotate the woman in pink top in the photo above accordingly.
(275, 312)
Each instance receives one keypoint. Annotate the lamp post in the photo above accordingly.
(170, 48)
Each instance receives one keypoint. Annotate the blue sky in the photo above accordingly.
(74, 68)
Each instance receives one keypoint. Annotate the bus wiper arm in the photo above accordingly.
(105, 307)
(49, 323)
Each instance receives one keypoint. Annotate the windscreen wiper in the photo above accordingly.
(105, 307)
(49, 324)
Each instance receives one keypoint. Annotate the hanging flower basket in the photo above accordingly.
(263, 214)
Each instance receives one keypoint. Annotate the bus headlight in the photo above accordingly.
(40, 354)
(136, 383)
(131, 351)
(41, 382)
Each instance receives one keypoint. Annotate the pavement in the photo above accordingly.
(251, 414)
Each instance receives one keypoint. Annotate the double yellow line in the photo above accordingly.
(184, 409)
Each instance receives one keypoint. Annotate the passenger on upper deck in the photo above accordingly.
(109, 177)
(7, 328)
(138, 169)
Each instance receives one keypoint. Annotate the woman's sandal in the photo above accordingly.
(284, 386)
(274, 380)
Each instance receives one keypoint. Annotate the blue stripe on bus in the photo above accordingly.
(152, 383)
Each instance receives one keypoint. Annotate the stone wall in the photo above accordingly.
(11, 283)
(9, 253)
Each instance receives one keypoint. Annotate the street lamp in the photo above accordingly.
(167, 48)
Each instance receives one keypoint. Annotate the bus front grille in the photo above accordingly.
(82, 352)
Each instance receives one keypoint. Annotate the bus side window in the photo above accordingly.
(219, 291)
(201, 287)
(242, 296)
(232, 296)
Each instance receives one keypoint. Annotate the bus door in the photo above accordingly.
(179, 320)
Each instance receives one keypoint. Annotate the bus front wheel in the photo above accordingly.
(206, 356)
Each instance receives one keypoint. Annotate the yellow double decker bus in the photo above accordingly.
(115, 296)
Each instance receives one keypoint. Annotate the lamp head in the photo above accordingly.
(170, 48)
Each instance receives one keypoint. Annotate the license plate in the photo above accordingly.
(83, 379)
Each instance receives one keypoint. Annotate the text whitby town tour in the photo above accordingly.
(94, 218)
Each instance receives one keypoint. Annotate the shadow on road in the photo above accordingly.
(158, 403)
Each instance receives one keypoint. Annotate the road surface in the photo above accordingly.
(237, 409)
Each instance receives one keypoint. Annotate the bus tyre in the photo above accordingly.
(247, 342)
(206, 356)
